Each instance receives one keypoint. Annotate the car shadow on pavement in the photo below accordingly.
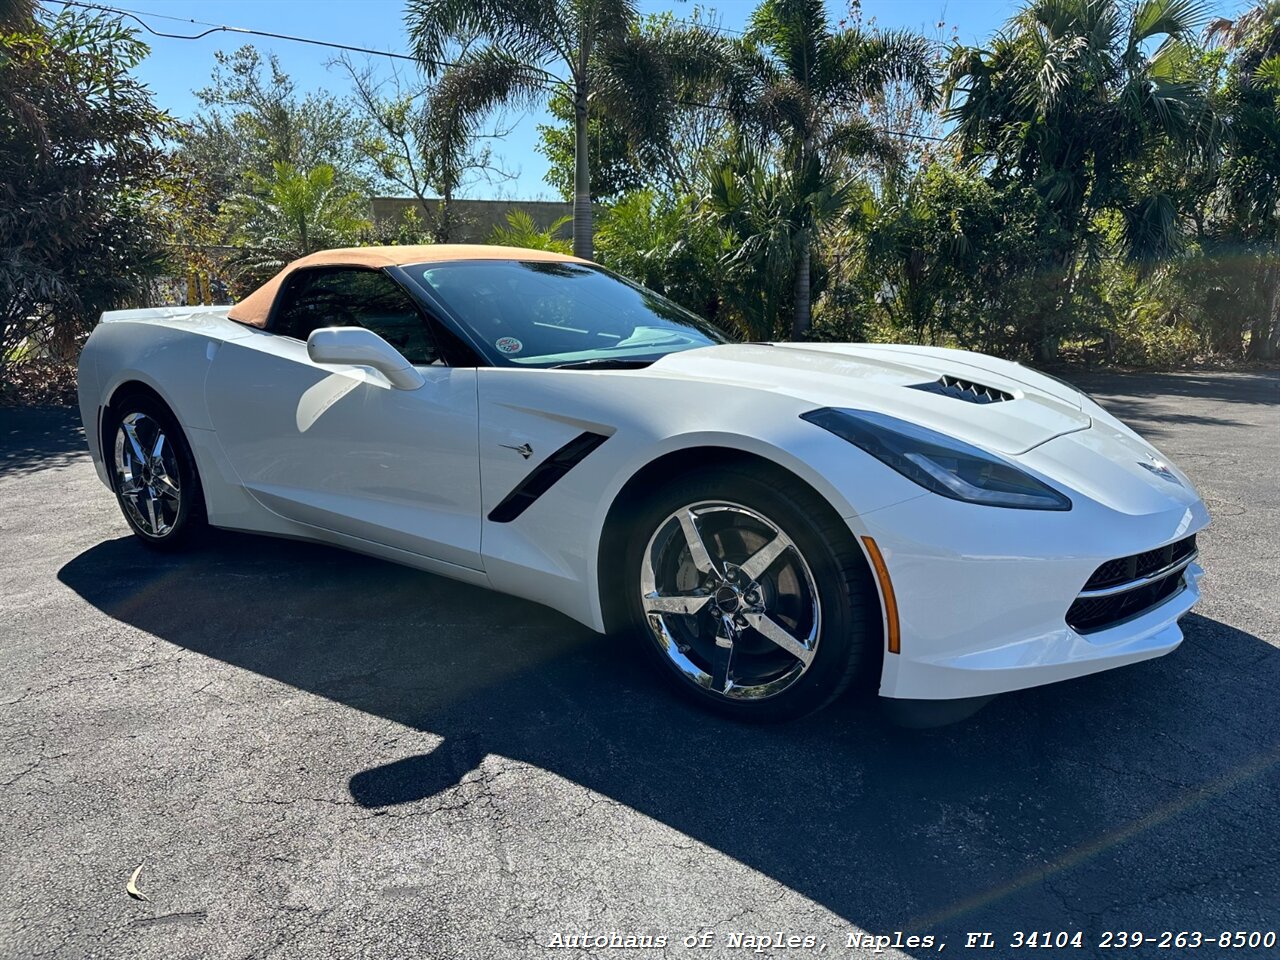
(1063, 801)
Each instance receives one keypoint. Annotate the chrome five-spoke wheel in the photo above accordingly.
(147, 475)
(730, 600)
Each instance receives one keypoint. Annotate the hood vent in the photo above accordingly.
(949, 386)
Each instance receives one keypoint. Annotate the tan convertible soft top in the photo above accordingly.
(256, 307)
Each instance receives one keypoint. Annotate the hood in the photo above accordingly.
(991, 403)
(1115, 467)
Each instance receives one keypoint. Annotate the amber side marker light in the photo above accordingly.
(886, 593)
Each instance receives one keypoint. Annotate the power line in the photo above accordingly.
(137, 15)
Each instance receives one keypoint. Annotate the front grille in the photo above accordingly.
(1124, 569)
(949, 386)
(1091, 614)
(1088, 614)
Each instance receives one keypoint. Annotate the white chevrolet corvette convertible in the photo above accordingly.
(771, 520)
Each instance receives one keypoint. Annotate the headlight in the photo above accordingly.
(941, 464)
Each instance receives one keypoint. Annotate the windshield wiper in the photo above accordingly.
(603, 363)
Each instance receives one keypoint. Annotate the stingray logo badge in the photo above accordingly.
(1159, 468)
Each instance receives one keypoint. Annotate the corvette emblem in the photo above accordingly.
(1159, 468)
(524, 449)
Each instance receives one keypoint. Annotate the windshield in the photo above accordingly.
(542, 314)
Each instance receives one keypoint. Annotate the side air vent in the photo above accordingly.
(544, 476)
(949, 386)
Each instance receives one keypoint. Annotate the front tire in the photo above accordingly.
(750, 593)
(153, 472)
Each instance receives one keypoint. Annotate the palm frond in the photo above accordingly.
(869, 63)
(634, 85)
(611, 18)
(1172, 61)
(289, 214)
(642, 79)
(479, 81)
(858, 138)
(528, 30)
(1268, 74)
(793, 31)
(522, 231)
(16, 14)
(1234, 33)
(1179, 19)
(1056, 71)
(1151, 228)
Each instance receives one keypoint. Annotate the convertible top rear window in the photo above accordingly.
(542, 314)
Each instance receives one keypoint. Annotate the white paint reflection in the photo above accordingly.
(1184, 524)
(322, 395)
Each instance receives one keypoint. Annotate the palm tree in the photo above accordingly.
(1259, 26)
(289, 215)
(765, 213)
(17, 14)
(518, 52)
(1067, 96)
(656, 238)
(522, 231)
(1068, 99)
(803, 86)
(1249, 187)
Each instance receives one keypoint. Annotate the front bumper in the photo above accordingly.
(983, 592)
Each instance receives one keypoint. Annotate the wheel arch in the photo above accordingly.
(127, 388)
(610, 582)
(136, 387)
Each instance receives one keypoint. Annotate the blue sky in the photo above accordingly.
(177, 67)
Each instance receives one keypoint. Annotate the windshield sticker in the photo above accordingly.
(509, 345)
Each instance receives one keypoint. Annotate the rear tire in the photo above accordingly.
(750, 593)
(153, 472)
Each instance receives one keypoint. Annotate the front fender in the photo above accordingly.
(551, 552)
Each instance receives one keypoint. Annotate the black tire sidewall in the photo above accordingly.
(846, 639)
(190, 515)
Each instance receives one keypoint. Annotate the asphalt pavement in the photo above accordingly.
(315, 754)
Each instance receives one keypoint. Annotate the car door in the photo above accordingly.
(339, 448)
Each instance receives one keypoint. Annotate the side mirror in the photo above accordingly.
(359, 347)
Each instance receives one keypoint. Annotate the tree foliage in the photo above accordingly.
(658, 239)
(1100, 179)
(522, 231)
(265, 170)
(665, 150)
(80, 157)
(614, 166)
(400, 143)
(289, 214)
(803, 88)
(252, 118)
(1247, 234)
(520, 52)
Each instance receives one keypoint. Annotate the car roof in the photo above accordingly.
(256, 307)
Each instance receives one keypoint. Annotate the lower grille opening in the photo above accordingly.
(1125, 569)
(1091, 614)
(1127, 591)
